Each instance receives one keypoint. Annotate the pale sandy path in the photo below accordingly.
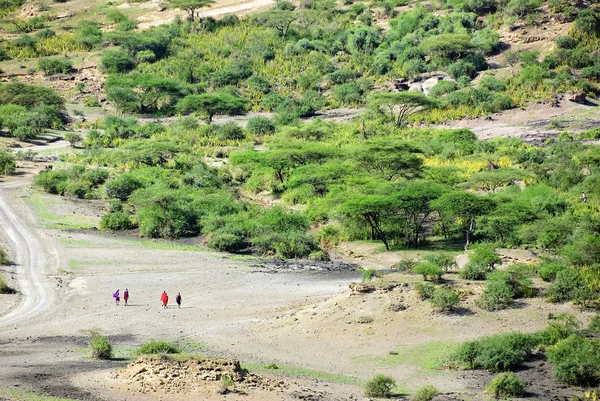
(31, 260)
(222, 8)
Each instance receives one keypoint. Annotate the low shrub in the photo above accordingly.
(4, 288)
(444, 299)
(364, 320)
(428, 270)
(100, 347)
(227, 241)
(368, 275)
(497, 353)
(566, 285)
(260, 126)
(442, 259)
(3, 257)
(595, 323)
(560, 328)
(158, 347)
(116, 221)
(405, 265)
(548, 269)
(52, 181)
(52, 66)
(498, 293)
(425, 289)
(576, 361)
(474, 271)
(379, 386)
(425, 394)
(505, 385)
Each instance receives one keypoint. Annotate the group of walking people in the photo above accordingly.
(164, 298)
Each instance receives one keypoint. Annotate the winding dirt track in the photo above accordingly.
(31, 259)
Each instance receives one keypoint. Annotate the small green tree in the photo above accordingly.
(280, 20)
(190, 6)
(463, 208)
(398, 107)
(209, 105)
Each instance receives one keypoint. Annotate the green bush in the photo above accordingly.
(116, 221)
(227, 241)
(443, 260)
(444, 299)
(497, 353)
(425, 289)
(474, 271)
(380, 386)
(560, 328)
(566, 285)
(229, 131)
(116, 62)
(548, 269)
(8, 164)
(368, 275)
(52, 66)
(595, 323)
(498, 292)
(405, 265)
(3, 257)
(260, 126)
(100, 346)
(157, 347)
(425, 394)
(505, 385)
(4, 288)
(122, 187)
(52, 181)
(485, 253)
(576, 361)
(428, 270)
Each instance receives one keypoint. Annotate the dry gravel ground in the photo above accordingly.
(297, 319)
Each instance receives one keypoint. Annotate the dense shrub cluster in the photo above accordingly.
(27, 110)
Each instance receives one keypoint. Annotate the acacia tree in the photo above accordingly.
(141, 93)
(413, 202)
(374, 209)
(190, 6)
(281, 20)
(399, 106)
(392, 159)
(463, 207)
(209, 105)
(489, 181)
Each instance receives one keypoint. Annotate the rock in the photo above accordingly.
(577, 97)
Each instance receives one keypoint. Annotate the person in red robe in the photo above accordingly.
(164, 299)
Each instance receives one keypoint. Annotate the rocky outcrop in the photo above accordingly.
(150, 374)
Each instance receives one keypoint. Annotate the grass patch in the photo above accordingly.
(26, 395)
(163, 245)
(301, 372)
(191, 347)
(429, 356)
(53, 220)
(76, 264)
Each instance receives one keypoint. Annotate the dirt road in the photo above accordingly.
(31, 260)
